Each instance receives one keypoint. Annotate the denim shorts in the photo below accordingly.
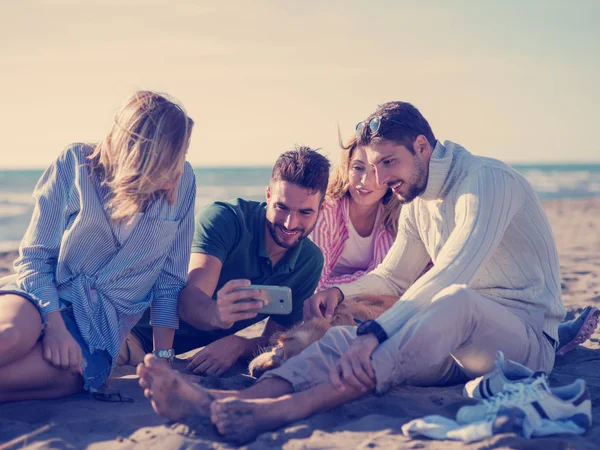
(96, 365)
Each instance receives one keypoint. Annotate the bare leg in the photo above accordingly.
(174, 397)
(242, 420)
(33, 378)
(20, 327)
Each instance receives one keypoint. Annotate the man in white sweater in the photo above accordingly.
(495, 285)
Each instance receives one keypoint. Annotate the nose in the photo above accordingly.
(290, 221)
(369, 178)
(381, 176)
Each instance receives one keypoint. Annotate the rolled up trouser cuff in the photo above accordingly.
(298, 382)
(312, 366)
(388, 371)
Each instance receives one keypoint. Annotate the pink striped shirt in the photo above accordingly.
(330, 235)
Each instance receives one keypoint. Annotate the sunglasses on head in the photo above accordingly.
(375, 123)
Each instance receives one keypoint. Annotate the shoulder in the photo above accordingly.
(335, 205)
(72, 159)
(488, 173)
(489, 183)
(74, 156)
(188, 177)
(238, 210)
(333, 213)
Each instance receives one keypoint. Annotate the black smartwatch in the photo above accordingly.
(371, 326)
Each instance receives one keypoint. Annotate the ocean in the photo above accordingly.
(222, 183)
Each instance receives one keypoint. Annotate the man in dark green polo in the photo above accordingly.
(243, 242)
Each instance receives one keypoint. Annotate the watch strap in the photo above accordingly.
(372, 326)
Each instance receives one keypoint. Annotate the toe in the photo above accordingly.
(148, 394)
(144, 382)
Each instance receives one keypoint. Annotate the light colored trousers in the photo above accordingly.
(452, 340)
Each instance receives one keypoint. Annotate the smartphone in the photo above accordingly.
(279, 298)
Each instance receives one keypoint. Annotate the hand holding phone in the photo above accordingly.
(229, 310)
(275, 299)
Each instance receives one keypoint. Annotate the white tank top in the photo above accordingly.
(358, 251)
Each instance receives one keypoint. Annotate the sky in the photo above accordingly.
(513, 80)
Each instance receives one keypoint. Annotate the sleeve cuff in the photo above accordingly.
(163, 313)
(349, 290)
(46, 299)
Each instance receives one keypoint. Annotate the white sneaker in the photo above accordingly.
(538, 401)
(493, 382)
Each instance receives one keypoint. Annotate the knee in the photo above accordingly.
(10, 336)
(457, 298)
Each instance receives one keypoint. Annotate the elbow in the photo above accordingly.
(182, 310)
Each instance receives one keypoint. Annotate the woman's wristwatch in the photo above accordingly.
(169, 355)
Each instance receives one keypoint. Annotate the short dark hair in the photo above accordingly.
(304, 167)
(401, 123)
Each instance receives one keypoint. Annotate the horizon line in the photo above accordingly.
(251, 166)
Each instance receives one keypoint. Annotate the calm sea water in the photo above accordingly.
(550, 182)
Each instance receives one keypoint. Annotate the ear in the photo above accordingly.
(322, 205)
(268, 193)
(421, 145)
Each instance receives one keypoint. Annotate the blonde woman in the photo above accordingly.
(110, 235)
(358, 223)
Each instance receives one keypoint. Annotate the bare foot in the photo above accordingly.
(171, 395)
(243, 420)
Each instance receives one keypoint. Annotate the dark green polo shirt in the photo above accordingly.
(234, 232)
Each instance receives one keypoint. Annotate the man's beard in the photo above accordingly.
(273, 230)
(416, 187)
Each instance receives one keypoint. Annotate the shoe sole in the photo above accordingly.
(584, 333)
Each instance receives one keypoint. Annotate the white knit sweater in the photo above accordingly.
(484, 227)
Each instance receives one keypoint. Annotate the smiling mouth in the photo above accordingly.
(395, 187)
(287, 233)
(363, 191)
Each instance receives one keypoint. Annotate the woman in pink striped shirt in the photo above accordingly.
(358, 223)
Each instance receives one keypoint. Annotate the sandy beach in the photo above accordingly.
(372, 422)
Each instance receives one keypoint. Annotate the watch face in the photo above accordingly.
(363, 328)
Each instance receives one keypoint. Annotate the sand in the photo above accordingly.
(372, 422)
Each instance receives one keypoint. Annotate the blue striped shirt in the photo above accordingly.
(71, 250)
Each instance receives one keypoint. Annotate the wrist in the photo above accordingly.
(214, 320)
(340, 295)
(55, 321)
(168, 354)
(372, 327)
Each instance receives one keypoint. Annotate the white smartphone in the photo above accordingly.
(278, 298)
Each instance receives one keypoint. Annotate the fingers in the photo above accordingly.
(330, 307)
(74, 360)
(233, 284)
(209, 366)
(220, 371)
(48, 353)
(202, 362)
(361, 379)
(236, 296)
(246, 306)
(365, 360)
(354, 369)
(312, 308)
(335, 379)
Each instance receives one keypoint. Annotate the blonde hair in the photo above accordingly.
(340, 182)
(144, 150)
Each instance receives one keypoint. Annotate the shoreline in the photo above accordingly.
(555, 209)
